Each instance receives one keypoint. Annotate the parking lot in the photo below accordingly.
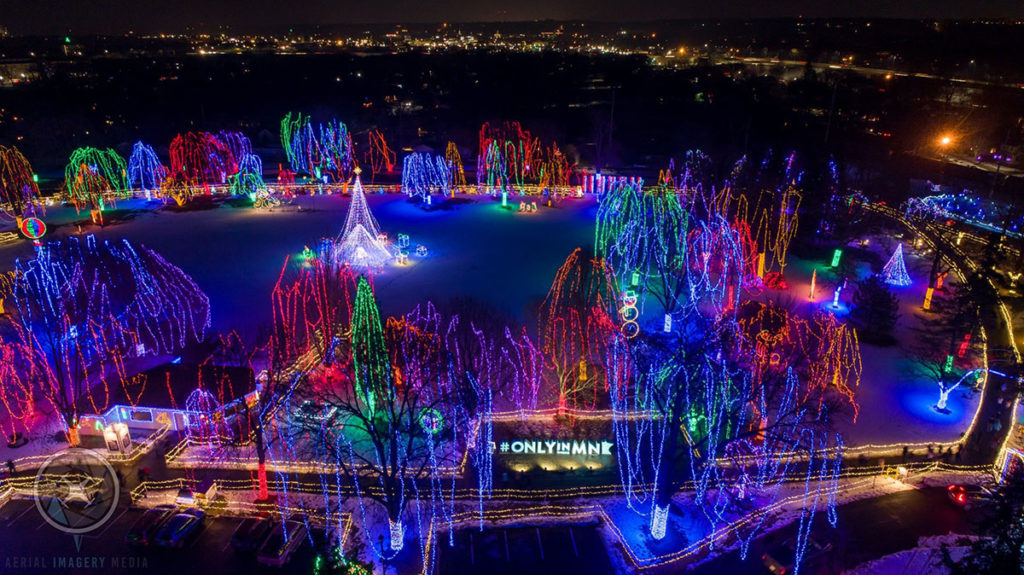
(534, 550)
(30, 545)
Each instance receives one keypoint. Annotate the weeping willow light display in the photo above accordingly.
(94, 178)
(553, 168)
(200, 159)
(506, 154)
(82, 307)
(18, 187)
(145, 172)
(454, 159)
(424, 174)
(237, 143)
(773, 215)
(249, 182)
(510, 157)
(732, 405)
(577, 319)
(322, 152)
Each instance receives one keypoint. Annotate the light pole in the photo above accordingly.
(945, 141)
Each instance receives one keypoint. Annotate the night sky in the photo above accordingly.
(25, 17)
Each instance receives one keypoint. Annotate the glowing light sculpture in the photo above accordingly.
(359, 244)
(895, 271)
(324, 152)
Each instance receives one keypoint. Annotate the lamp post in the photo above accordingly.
(945, 141)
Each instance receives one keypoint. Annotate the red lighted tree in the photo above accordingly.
(576, 321)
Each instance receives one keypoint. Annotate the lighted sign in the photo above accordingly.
(556, 447)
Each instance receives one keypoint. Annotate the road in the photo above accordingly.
(866, 530)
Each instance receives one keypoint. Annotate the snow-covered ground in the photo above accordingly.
(896, 395)
(925, 558)
(476, 249)
(504, 258)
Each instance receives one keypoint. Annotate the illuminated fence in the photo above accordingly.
(568, 514)
(138, 449)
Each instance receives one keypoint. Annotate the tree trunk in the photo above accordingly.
(665, 486)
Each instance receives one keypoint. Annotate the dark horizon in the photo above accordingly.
(118, 17)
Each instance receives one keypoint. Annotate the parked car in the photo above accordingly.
(251, 534)
(147, 526)
(277, 550)
(964, 495)
(180, 528)
(780, 559)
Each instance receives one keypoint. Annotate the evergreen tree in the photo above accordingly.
(875, 310)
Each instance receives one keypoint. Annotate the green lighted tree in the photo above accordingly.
(369, 353)
(92, 176)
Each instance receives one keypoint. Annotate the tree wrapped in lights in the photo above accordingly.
(554, 168)
(379, 156)
(83, 307)
(773, 215)
(725, 414)
(454, 159)
(424, 174)
(505, 156)
(337, 151)
(237, 143)
(300, 143)
(577, 319)
(145, 172)
(323, 151)
(93, 178)
(895, 270)
(200, 159)
(249, 181)
(396, 427)
(18, 188)
(822, 351)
